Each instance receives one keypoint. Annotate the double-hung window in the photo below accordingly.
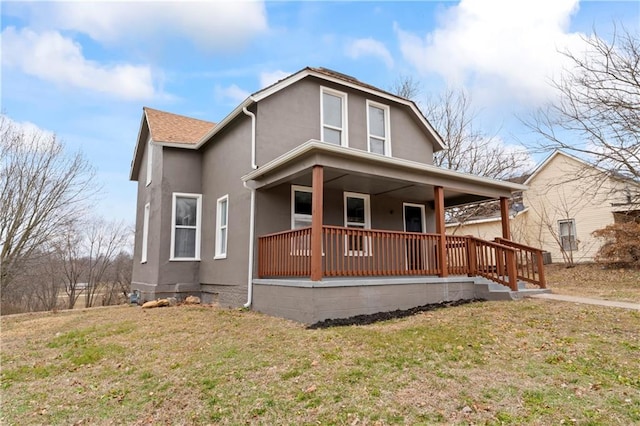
(333, 111)
(567, 230)
(222, 226)
(185, 230)
(145, 233)
(378, 128)
(357, 214)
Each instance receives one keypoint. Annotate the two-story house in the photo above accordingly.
(314, 198)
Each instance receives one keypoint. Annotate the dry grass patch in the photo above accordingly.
(591, 280)
(531, 361)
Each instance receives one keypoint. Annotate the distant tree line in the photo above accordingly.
(53, 250)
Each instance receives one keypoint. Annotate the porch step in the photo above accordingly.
(491, 290)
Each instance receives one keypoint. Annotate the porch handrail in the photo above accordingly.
(529, 262)
(492, 260)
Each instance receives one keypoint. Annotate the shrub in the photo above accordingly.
(621, 246)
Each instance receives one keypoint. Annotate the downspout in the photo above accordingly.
(253, 137)
(251, 246)
(252, 210)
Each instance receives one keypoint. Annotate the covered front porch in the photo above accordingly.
(380, 254)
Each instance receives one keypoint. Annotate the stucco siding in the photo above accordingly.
(291, 117)
(224, 161)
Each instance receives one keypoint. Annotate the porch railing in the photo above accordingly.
(349, 252)
(529, 262)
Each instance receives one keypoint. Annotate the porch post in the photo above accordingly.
(504, 212)
(438, 197)
(316, 223)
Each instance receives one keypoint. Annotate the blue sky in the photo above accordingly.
(84, 70)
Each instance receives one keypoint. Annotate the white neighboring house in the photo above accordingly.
(566, 200)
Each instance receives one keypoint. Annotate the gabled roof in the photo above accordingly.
(174, 128)
(331, 76)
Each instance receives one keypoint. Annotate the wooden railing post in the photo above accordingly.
(504, 213)
(471, 256)
(438, 195)
(316, 223)
(511, 270)
(540, 262)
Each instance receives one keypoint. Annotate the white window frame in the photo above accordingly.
(198, 198)
(149, 160)
(344, 140)
(145, 233)
(387, 127)
(367, 224)
(297, 216)
(573, 237)
(221, 252)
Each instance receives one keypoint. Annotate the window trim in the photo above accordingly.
(299, 188)
(344, 139)
(145, 233)
(219, 253)
(149, 160)
(573, 235)
(387, 126)
(367, 224)
(198, 198)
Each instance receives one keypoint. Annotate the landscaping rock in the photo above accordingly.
(155, 304)
(192, 300)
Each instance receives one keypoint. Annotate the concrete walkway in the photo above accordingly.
(586, 300)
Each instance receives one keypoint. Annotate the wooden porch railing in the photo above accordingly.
(348, 252)
(529, 262)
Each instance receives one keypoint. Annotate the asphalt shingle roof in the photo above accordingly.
(174, 128)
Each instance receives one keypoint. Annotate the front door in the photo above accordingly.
(414, 222)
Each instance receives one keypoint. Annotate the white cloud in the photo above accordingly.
(509, 48)
(53, 57)
(208, 24)
(232, 93)
(267, 78)
(369, 47)
(32, 136)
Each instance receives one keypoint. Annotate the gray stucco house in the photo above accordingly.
(314, 198)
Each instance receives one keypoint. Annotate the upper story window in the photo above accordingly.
(149, 159)
(333, 111)
(222, 226)
(567, 231)
(300, 207)
(185, 230)
(378, 128)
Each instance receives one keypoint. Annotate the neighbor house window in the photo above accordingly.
(333, 113)
(568, 239)
(145, 233)
(185, 231)
(300, 207)
(357, 214)
(222, 226)
(149, 159)
(378, 125)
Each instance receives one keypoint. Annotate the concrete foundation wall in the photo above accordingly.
(309, 302)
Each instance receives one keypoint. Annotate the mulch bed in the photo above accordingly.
(384, 316)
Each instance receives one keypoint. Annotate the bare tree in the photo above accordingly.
(406, 87)
(41, 190)
(597, 114)
(105, 240)
(470, 150)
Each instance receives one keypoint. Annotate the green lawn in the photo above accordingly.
(525, 362)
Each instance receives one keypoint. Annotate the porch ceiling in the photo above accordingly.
(353, 170)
